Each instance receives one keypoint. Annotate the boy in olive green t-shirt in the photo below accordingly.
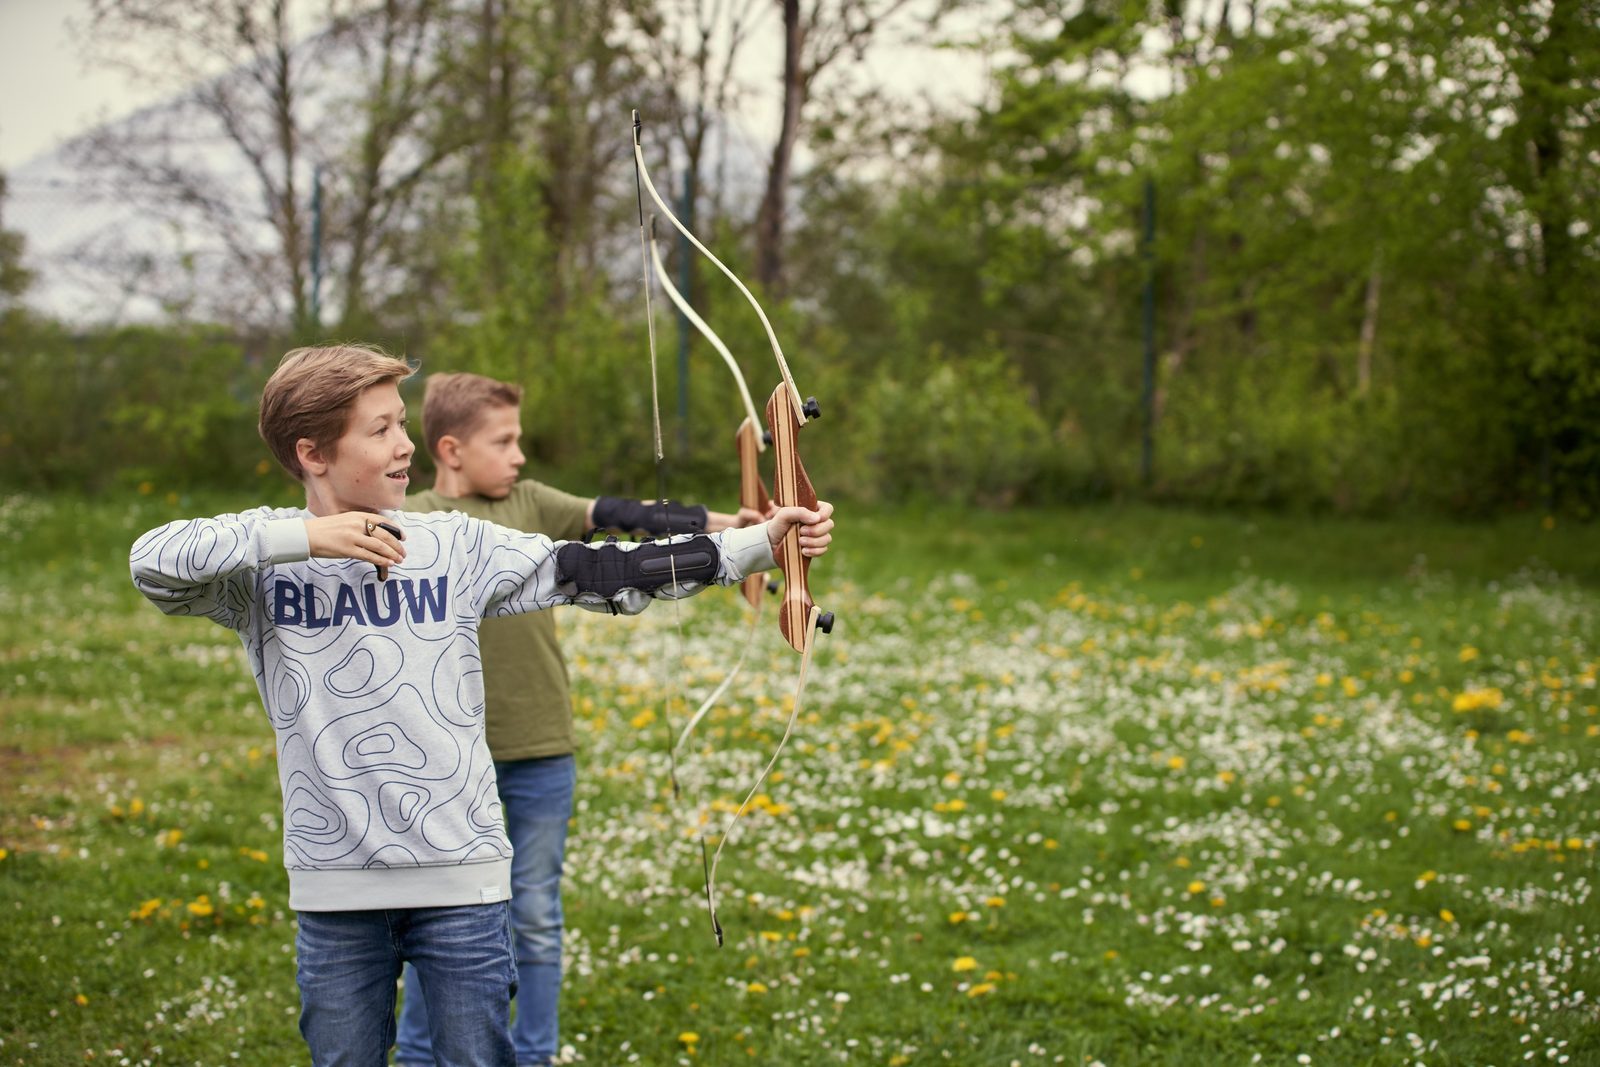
(472, 426)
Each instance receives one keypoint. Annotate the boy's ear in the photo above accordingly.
(448, 452)
(310, 456)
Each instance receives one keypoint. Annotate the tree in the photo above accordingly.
(815, 37)
(264, 92)
(14, 277)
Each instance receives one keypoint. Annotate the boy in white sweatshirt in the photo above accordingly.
(361, 625)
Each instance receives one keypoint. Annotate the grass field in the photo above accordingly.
(1125, 786)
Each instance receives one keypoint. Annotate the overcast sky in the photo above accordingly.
(46, 94)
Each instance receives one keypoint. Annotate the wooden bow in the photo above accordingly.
(800, 617)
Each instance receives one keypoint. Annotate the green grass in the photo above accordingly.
(1122, 785)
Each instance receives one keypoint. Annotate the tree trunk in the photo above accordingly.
(1369, 327)
(769, 222)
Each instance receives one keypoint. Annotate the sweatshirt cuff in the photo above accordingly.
(286, 540)
(746, 551)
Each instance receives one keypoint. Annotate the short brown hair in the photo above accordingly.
(453, 405)
(311, 394)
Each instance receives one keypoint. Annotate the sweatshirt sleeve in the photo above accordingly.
(204, 566)
(518, 572)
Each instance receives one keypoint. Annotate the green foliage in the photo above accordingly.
(14, 278)
(1373, 259)
(963, 430)
(1364, 294)
(516, 317)
(161, 409)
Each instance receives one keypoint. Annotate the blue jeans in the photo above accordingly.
(536, 798)
(348, 962)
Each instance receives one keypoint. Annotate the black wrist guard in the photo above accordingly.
(660, 518)
(610, 567)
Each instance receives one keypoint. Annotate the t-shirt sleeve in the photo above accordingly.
(560, 515)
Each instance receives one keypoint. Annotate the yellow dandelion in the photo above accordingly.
(1111, 953)
(81, 999)
(980, 989)
(1462, 824)
(4, 853)
(1176, 763)
(801, 953)
(1468, 654)
(1447, 915)
(965, 963)
(201, 907)
(756, 987)
(771, 935)
(1573, 843)
(996, 902)
(689, 1037)
(958, 917)
(1196, 886)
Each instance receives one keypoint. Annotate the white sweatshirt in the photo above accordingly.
(375, 689)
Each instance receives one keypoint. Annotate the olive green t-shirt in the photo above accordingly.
(527, 709)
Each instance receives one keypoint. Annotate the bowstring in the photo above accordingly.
(645, 248)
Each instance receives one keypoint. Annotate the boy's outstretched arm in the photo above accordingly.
(526, 572)
(661, 520)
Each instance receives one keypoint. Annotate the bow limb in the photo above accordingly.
(794, 715)
(643, 170)
(694, 318)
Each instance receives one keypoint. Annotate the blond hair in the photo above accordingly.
(312, 392)
(454, 405)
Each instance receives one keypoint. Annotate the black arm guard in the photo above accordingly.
(608, 568)
(671, 517)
